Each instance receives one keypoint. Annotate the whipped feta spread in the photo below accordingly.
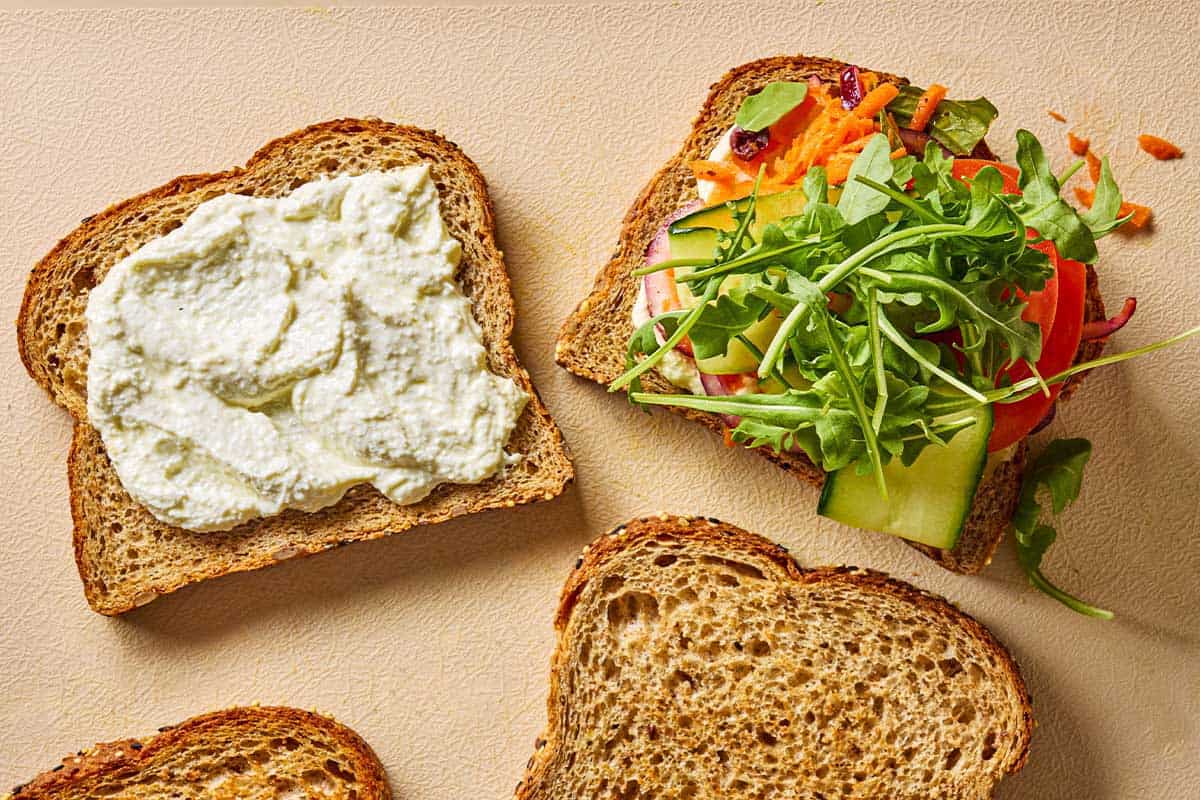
(676, 367)
(271, 353)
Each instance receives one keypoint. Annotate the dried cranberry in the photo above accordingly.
(747, 144)
(852, 89)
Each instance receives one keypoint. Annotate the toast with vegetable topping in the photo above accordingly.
(835, 271)
(128, 557)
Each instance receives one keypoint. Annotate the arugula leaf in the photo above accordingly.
(724, 320)
(1043, 209)
(1101, 218)
(759, 111)
(815, 186)
(1059, 468)
(645, 341)
(859, 201)
(957, 125)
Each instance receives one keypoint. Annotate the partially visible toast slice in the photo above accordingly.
(126, 557)
(593, 339)
(697, 660)
(245, 753)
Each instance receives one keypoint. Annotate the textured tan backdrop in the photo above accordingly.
(435, 645)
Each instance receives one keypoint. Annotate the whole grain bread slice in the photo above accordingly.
(248, 753)
(698, 660)
(593, 339)
(126, 557)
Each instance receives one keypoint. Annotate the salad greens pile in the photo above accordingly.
(926, 278)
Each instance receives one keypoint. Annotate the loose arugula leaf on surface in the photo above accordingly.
(957, 125)
(759, 111)
(859, 201)
(1059, 469)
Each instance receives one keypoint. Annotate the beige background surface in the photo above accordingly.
(435, 645)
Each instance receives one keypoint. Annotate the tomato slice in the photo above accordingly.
(1058, 311)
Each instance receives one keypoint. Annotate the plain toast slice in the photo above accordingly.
(593, 339)
(126, 557)
(252, 753)
(697, 660)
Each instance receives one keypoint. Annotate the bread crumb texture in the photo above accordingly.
(237, 754)
(696, 660)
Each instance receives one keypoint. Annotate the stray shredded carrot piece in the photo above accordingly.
(721, 171)
(727, 435)
(899, 152)
(1158, 147)
(1141, 214)
(927, 103)
(1055, 115)
(1093, 162)
(1078, 146)
(876, 100)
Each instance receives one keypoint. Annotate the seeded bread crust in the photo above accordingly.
(592, 341)
(236, 754)
(685, 601)
(126, 557)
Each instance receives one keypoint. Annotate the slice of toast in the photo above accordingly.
(695, 659)
(127, 557)
(244, 753)
(593, 339)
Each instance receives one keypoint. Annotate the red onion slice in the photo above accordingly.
(662, 295)
(1107, 327)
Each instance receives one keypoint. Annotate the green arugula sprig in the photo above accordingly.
(1058, 469)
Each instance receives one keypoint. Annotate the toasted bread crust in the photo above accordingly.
(57, 362)
(592, 341)
(123, 761)
(595, 556)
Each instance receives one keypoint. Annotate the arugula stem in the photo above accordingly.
(1039, 581)
(752, 256)
(902, 198)
(883, 245)
(897, 338)
(776, 373)
(881, 390)
(675, 338)
(737, 405)
(842, 365)
(1071, 170)
(671, 263)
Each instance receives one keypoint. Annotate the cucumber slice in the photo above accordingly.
(771, 207)
(928, 502)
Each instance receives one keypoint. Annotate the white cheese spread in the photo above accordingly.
(271, 353)
(676, 367)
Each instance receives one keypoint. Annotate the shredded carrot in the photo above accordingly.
(876, 100)
(1141, 214)
(927, 103)
(721, 171)
(1158, 147)
(899, 152)
(1093, 163)
(727, 435)
(1078, 146)
(1055, 115)
(724, 192)
(837, 169)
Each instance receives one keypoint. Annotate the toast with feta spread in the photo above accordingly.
(127, 557)
(252, 752)
(696, 659)
(592, 342)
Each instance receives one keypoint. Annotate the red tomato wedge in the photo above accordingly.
(1058, 311)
